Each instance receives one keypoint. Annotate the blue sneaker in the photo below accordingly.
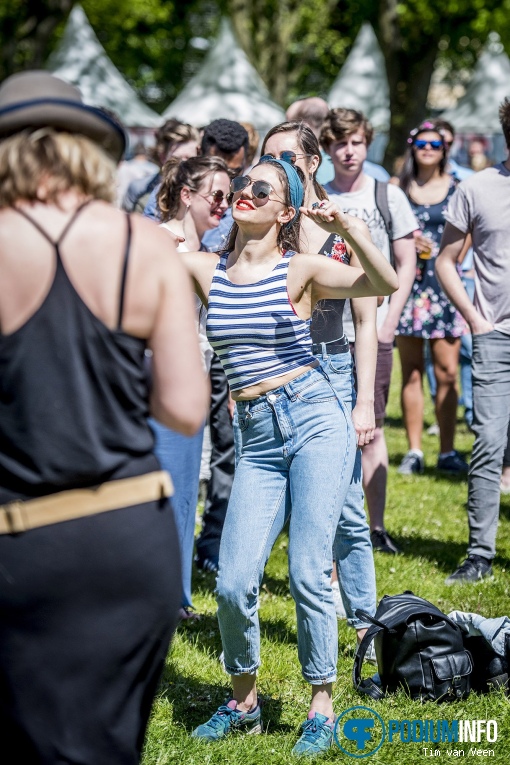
(317, 735)
(228, 719)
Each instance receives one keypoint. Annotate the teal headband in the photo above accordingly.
(295, 184)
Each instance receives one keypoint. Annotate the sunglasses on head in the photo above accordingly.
(435, 145)
(285, 156)
(259, 189)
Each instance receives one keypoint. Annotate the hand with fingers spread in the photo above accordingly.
(329, 217)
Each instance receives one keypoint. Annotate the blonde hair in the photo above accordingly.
(39, 165)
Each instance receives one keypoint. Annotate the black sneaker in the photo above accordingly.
(473, 569)
(411, 463)
(382, 541)
(453, 464)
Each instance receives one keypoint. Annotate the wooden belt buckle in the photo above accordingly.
(16, 518)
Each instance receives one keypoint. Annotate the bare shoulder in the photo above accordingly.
(304, 265)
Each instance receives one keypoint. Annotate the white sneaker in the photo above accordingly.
(337, 600)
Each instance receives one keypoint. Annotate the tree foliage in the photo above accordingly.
(297, 46)
(156, 44)
(27, 29)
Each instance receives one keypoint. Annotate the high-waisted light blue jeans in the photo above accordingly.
(299, 439)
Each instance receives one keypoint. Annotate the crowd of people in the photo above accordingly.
(308, 265)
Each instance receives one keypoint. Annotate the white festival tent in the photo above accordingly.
(228, 86)
(477, 110)
(362, 83)
(81, 60)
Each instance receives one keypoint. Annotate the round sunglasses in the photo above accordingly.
(435, 145)
(286, 156)
(259, 189)
(217, 196)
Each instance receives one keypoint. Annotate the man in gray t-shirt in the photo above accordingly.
(481, 208)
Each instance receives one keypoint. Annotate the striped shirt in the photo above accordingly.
(253, 327)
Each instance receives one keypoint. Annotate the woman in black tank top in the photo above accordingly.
(88, 587)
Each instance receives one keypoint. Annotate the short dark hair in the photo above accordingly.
(226, 135)
(341, 123)
(504, 118)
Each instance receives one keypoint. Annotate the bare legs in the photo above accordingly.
(374, 459)
(244, 691)
(411, 360)
(445, 357)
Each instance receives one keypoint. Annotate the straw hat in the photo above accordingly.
(38, 99)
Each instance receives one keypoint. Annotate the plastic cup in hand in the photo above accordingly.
(426, 251)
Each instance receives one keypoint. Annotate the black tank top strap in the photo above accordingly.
(35, 224)
(124, 271)
(56, 244)
(70, 222)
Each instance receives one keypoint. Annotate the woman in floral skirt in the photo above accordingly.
(428, 314)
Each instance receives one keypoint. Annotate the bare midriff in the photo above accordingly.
(254, 391)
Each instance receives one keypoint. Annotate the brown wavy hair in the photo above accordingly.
(341, 123)
(170, 134)
(178, 173)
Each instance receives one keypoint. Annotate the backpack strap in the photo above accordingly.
(382, 204)
(366, 687)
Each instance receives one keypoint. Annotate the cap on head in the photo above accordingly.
(36, 99)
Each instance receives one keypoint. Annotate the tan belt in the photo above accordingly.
(19, 515)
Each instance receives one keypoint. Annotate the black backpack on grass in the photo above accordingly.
(418, 649)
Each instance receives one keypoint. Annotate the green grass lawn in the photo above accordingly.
(427, 516)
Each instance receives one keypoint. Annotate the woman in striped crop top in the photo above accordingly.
(260, 296)
(353, 549)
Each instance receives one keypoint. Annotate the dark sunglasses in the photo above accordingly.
(435, 145)
(259, 189)
(217, 196)
(285, 156)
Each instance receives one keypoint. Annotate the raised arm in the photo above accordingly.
(334, 280)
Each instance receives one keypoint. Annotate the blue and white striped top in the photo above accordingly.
(253, 327)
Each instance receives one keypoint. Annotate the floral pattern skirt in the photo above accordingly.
(428, 313)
